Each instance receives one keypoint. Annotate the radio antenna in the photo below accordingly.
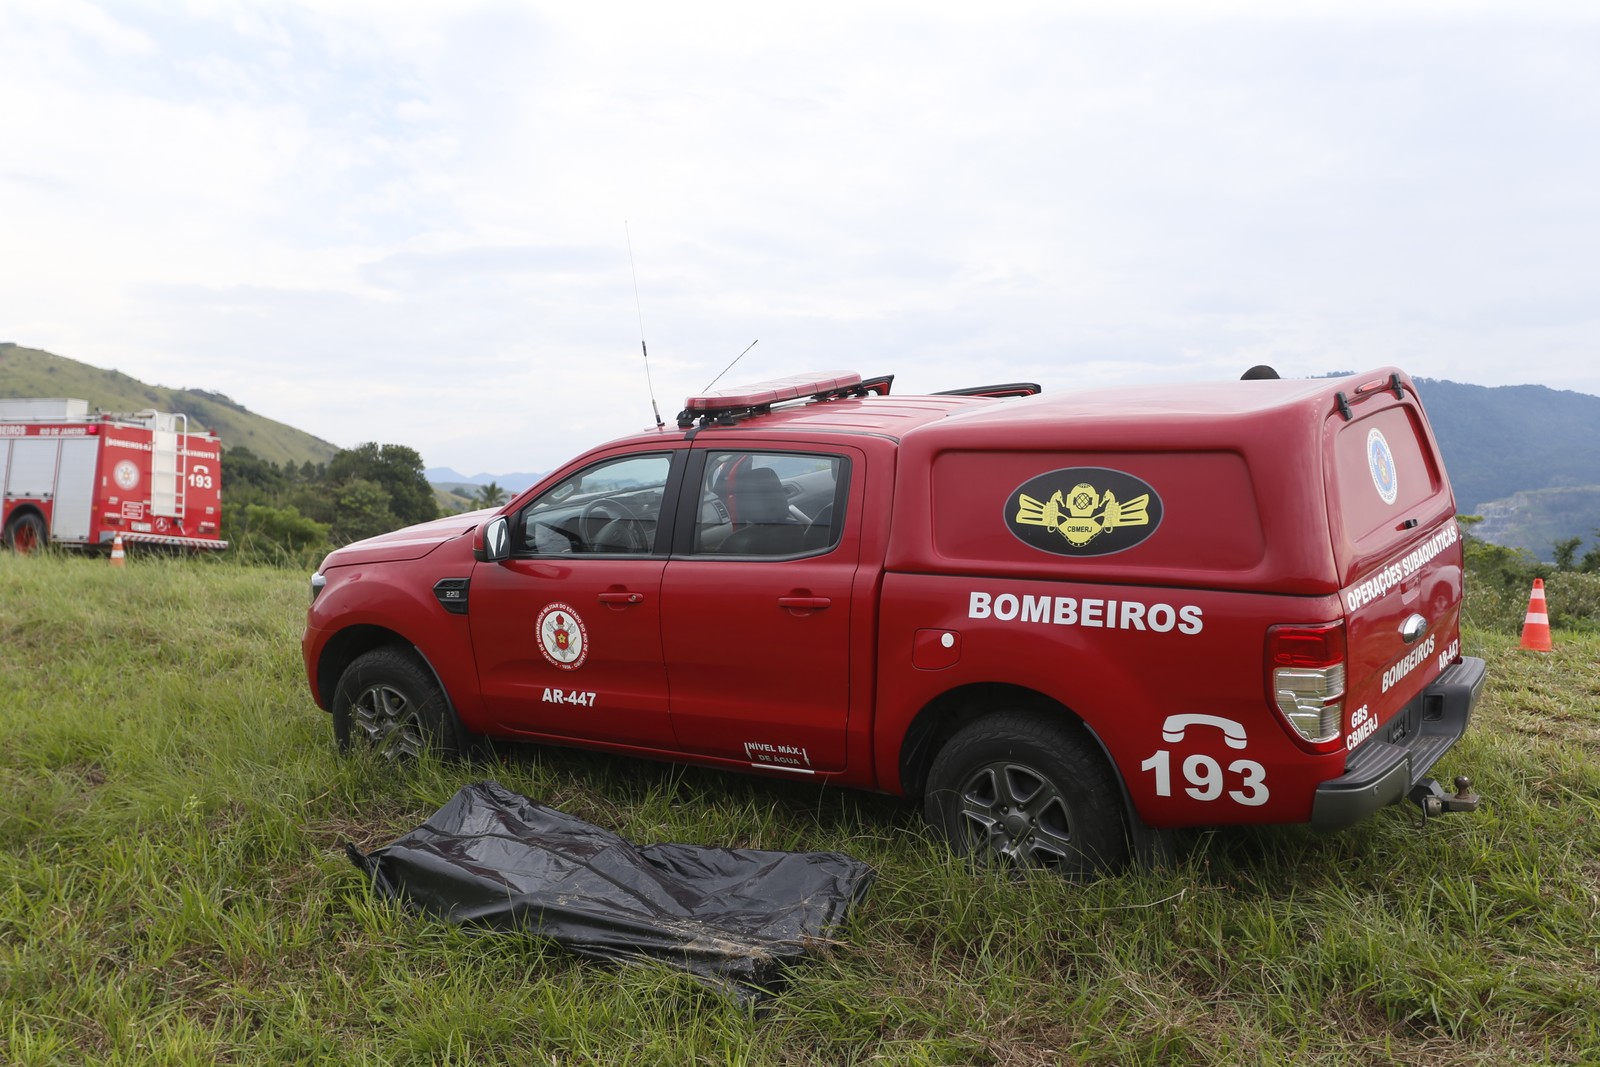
(639, 306)
(729, 367)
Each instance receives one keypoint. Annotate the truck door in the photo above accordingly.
(1396, 529)
(75, 489)
(756, 607)
(567, 632)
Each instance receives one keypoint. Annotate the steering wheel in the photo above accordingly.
(614, 513)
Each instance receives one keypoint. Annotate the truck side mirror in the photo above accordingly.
(491, 542)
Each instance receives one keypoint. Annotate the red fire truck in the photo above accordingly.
(69, 476)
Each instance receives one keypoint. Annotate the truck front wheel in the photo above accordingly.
(1026, 790)
(25, 533)
(388, 701)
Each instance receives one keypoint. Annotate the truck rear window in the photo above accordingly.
(1383, 472)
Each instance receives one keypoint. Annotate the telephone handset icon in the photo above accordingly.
(1173, 729)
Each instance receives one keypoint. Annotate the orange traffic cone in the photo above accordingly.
(116, 552)
(1536, 627)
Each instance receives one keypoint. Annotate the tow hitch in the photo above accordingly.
(1430, 796)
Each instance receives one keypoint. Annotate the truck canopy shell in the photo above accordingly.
(1225, 465)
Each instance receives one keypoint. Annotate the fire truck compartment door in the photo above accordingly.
(75, 490)
(33, 467)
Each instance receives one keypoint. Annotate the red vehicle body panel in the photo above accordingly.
(1124, 557)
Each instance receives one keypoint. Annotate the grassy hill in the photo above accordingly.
(28, 372)
(453, 498)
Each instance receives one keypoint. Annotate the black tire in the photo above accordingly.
(387, 700)
(26, 533)
(1027, 790)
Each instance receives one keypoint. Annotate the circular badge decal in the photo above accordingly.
(562, 637)
(126, 474)
(1083, 511)
(1380, 461)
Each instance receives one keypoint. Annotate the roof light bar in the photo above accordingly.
(758, 396)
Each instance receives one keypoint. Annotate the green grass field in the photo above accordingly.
(173, 888)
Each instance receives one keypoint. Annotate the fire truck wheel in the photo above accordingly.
(25, 533)
(1023, 789)
(388, 701)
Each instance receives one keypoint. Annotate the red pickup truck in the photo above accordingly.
(1063, 623)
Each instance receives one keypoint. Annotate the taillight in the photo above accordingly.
(1305, 678)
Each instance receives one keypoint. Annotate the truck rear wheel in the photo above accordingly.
(1026, 790)
(388, 700)
(25, 533)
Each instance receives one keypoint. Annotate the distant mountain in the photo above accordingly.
(1526, 457)
(1504, 439)
(29, 372)
(1535, 519)
(452, 500)
(454, 480)
(1496, 440)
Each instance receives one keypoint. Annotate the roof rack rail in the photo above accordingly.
(724, 407)
(1007, 389)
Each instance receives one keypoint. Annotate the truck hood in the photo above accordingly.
(412, 542)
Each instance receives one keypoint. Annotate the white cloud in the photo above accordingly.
(406, 222)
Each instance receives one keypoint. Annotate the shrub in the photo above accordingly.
(280, 536)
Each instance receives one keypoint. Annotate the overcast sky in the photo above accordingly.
(410, 223)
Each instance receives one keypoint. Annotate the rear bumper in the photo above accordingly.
(1383, 770)
(168, 540)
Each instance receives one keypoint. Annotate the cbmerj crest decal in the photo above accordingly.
(1083, 511)
(563, 638)
(1380, 462)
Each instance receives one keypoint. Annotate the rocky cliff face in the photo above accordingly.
(1535, 519)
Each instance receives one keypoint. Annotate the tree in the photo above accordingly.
(490, 496)
(243, 469)
(397, 469)
(1566, 551)
(362, 509)
(1590, 564)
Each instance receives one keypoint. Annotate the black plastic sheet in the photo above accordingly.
(495, 859)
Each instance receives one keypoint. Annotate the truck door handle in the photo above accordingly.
(805, 603)
(621, 598)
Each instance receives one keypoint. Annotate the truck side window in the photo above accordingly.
(610, 508)
(778, 504)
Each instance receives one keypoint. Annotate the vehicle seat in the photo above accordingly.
(758, 508)
(624, 536)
